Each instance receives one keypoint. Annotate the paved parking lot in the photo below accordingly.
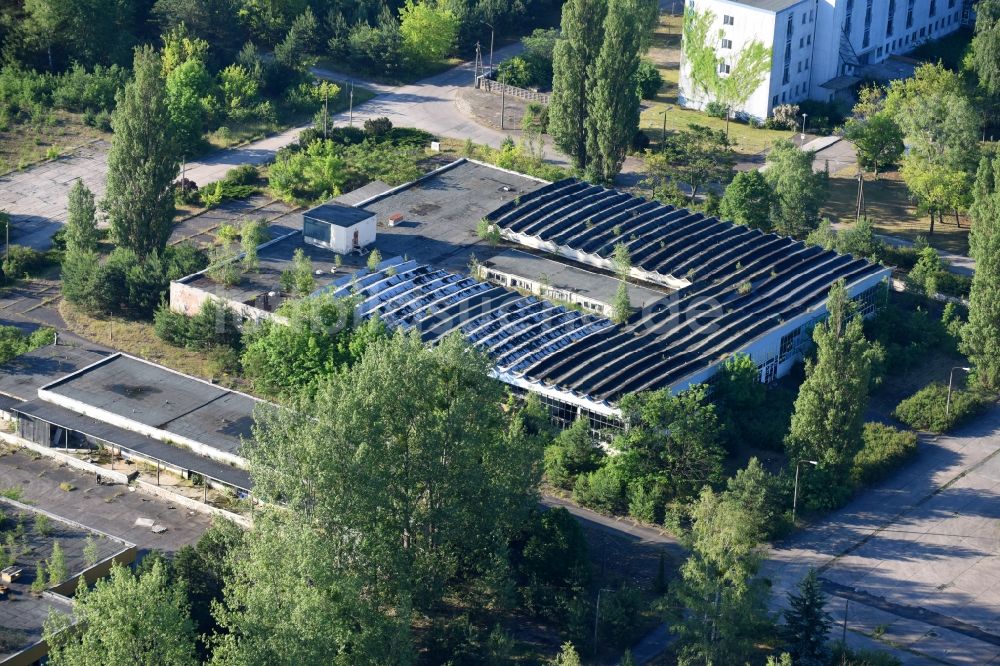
(916, 560)
(109, 508)
(36, 198)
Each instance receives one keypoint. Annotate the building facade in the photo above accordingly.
(819, 48)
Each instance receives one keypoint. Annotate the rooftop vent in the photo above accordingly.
(395, 218)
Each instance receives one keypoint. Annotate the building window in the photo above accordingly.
(788, 342)
(951, 4)
(774, 101)
(727, 43)
(807, 64)
(889, 19)
(791, 27)
(723, 68)
(802, 42)
(809, 39)
(727, 20)
(879, 53)
(909, 13)
(784, 79)
(799, 67)
(933, 9)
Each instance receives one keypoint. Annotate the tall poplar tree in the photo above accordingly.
(830, 408)
(143, 161)
(573, 60)
(81, 219)
(613, 117)
(981, 335)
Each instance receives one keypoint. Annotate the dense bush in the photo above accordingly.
(908, 333)
(754, 414)
(926, 409)
(514, 72)
(80, 90)
(884, 449)
(20, 260)
(603, 489)
(214, 326)
(14, 341)
(536, 118)
(573, 453)
(124, 284)
(239, 183)
(648, 80)
(716, 109)
(325, 168)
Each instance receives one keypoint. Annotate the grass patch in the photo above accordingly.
(888, 203)
(11, 493)
(139, 339)
(23, 143)
(67, 486)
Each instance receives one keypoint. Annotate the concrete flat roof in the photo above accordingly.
(558, 275)
(272, 261)
(154, 396)
(21, 612)
(21, 377)
(337, 214)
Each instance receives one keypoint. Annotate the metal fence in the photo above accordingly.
(489, 85)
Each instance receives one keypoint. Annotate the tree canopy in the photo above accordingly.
(399, 480)
(798, 190)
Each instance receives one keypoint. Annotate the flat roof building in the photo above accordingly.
(538, 301)
(137, 408)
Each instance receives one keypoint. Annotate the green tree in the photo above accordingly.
(56, 566)
(829, 410)
(699, 48)
(568, 656)
(923, 277)
(142, 162)
(672, 442)
(877, 140)
(698, 157)
(613, 101)
(755, 490)
(725, 602)
(621, 307)
(573, 60)
(572, 453)
(748, 200)
(81, 220)
(986, 46)
(299, 43)
(798, 190)
(807, 624)
(189, 101)
(941, 129)
(391, 499)
(125, 620)
(287, 359)
(981, 335)
(429, 31)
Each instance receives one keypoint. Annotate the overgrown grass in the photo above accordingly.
(888, 203)
(139, 339)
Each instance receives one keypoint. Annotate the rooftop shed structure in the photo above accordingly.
(338, 227)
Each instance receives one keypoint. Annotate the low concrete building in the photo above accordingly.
(136, 409)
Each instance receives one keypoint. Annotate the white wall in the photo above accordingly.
(749, 24)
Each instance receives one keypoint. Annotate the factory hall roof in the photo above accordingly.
(742, 283)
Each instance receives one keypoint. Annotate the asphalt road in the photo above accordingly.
(917, 558)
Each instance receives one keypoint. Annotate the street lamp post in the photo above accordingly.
(492, 32)
(804, 116)
(795, 494)
(663, 134)
(951, 376)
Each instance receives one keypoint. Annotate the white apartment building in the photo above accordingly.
(819, 47)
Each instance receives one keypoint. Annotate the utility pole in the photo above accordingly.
(477, 66)
(860, 204)
(351, 107)
(503, 100)
(951, 377)
(795, 494)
